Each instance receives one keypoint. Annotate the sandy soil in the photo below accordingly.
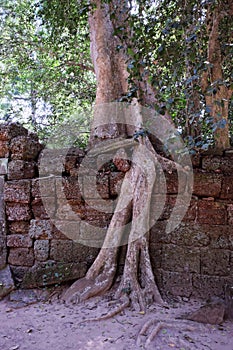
(52, 325)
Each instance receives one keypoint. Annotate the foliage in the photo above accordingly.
(46, 60)
(43, 80)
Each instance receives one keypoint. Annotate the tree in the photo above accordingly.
(138, 285)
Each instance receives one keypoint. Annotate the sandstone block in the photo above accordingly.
(61, 250)
(21, 257)
(47, 273)
(40, 229)
(17, 191)
(19, 241)
(4, 149)
(18, 212)
(211, 212)
(24, 148)
(19, 169)
(215, 262)
(41, 250)
(8, 131)
(44, 208)
(206, 184)
(227, 188)
(18, 227)
(43, 187)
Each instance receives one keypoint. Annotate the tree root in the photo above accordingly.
(156, 326)
(125, 303)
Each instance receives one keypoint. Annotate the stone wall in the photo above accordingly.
(196, 259)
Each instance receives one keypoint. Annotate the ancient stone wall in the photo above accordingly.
(196, 259)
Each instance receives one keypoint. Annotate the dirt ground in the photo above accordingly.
(52, 325)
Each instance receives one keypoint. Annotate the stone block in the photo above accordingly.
(24, 148)
(205, 286)
(61, 250)
(215, 262)
(52, 162)
(4, 149)
(211, 212)
(44, 208)
(227, 188)
(43, 187)
(206, 184)
(177, 284)
(70, 210)
(21, 257)
(9, 131)
(18, 227)
(3, 166)
(66, 230)
(41, 250)
(18, 212)
(6, 282)
(19, 169)
(19, 241)
(48, 273)
(41, 229)
(18, 273)
(180, 259)
(211, 163)
(68, 187)
(3, 252)
(18, 191)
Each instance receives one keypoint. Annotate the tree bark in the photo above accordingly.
(217, 93)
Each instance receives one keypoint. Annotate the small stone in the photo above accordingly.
(212, 313)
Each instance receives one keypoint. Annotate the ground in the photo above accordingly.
(53, 325)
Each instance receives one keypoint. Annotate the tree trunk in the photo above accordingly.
(137, 284)
(217, 94)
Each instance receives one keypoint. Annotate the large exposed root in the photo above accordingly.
(123, 304)
(152, 327)
(138, 286)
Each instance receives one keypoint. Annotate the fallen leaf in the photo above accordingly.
(142, 312)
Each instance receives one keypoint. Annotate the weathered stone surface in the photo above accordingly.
(9, 131)
(3, 252)
(212, 313)
(52, 162)
(18, 191)
(206, 184)
(229, 301)
(61, 250)
(21, 256)
(41, 250)
(211, 163)
(18, 212)
(18, 273)
(19, 241)
(6, 282)
(19, 169)
(43, 187)
(227, 188)
(4, 149)
(66, 230)
(18, 227)
(44, 208)
(68, 187)
(40, 229)
(205, 287)
(70, 210)
(180, 259)
(178, 284)
(43, 274)
(211, 212)
(215, 262)
(24, 148)
(3, 166)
